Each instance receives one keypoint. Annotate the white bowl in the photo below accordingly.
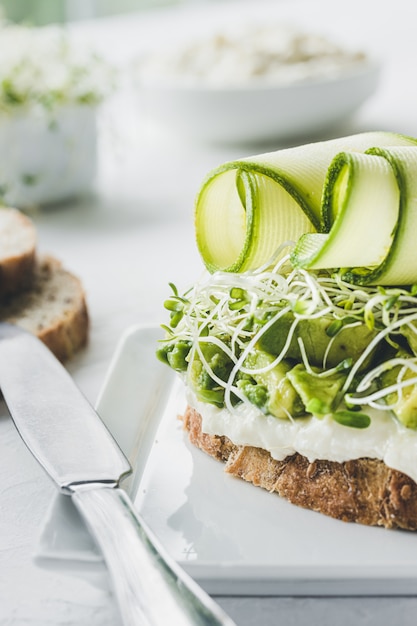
(258, 113)
(47, 157)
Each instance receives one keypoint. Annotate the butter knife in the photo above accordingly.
(70, 441)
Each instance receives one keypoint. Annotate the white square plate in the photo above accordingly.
(233, 538)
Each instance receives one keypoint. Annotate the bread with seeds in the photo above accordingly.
(363, 490)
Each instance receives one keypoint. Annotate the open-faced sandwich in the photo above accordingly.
(298, 346)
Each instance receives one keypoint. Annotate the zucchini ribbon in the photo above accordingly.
(348, 204)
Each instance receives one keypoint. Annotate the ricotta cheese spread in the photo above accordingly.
(315, 438)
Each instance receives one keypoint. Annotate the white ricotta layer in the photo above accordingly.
(385, 439)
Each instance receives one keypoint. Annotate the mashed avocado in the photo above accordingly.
(294, 346)
(320, 394)
(285, 389)
(325, 340)
(270, 390)
(402, 404)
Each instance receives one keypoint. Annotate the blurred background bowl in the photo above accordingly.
(258, 112)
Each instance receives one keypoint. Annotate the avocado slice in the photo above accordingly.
(406, 410)
(316, 333)
(203, 385)
(175, 355)
(320, 394)
(410, 334)
(271, 390)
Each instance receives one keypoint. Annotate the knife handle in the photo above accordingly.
(151, 588)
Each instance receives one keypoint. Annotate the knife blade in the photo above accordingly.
(68, 438)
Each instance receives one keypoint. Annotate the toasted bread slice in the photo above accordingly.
(53, 308)
(365, 491)
(17, 251)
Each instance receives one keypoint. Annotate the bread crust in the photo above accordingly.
(364, 490)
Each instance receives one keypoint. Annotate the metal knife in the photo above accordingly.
(70, 441)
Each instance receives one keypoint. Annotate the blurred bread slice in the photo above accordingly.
(17, 251)
(53, 308)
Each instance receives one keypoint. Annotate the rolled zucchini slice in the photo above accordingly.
(370, 211)
(247, 210)
(360, 210)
